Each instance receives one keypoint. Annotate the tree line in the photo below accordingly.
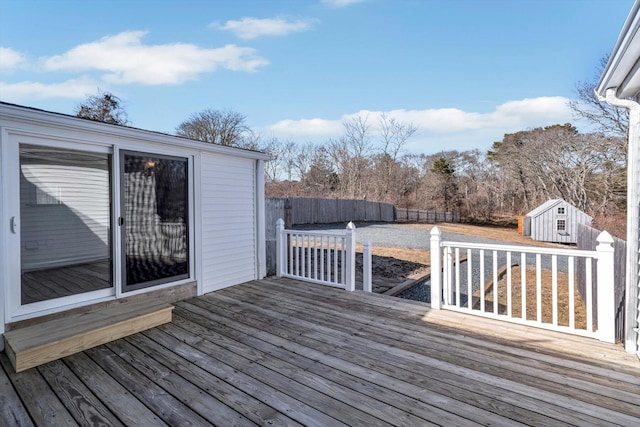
(370, 161)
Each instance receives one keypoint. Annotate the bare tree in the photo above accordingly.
(558, 161)
(216, 127)
(608, 119)
(394, 136)
(103, 107)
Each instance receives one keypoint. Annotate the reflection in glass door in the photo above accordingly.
(65, 213)
(154, 222)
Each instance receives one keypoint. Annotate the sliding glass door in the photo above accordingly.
(154, 222)
(79, 234)
(65, 217)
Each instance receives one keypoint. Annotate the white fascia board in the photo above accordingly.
(622, 69)
(19, 114)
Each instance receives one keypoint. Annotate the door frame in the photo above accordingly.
(15, 309)
(121, 223)
(10, 193)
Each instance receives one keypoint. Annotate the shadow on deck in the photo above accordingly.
(282, 352)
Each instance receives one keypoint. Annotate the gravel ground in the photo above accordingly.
(399, 235)
(383, 234)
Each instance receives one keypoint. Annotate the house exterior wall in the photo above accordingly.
(224, 206)
(228, 221)
(544, 226)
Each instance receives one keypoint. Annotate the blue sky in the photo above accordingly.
(463, 71)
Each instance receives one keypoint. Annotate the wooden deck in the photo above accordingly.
(280, 352)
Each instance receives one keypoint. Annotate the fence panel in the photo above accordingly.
(306, 211)
(431, 217)
(587, 241)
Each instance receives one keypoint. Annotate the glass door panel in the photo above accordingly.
(65, 213)
(154, 224)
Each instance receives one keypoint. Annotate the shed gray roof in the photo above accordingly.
(549, 204)
(544, 207)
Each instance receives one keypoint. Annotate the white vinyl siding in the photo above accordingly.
(64, 212)
(228, 221)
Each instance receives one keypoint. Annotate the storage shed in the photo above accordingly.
(556, 221)
(93, 213)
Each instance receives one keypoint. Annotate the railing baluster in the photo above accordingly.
(336, 256)
(538, 288)
(449, 265)
(509, 301)
(315, 257)
(572, 291)
(294, 254)
(344, 260)
(309, 258)
(589, 291)
(322, 252)
(495, 282)
(482, 280)
(457, 277)
(523, 285)
(304, 257)
(469, 280)
(554, 289)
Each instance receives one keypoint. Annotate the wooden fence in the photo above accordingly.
(587, 241)
(417, 215)
(306, 211)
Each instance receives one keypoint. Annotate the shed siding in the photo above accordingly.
(228, 221)
(544, 224)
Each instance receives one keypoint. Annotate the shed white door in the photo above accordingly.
(228, 221)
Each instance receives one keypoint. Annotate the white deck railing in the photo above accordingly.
(327, 258)
(463, 274)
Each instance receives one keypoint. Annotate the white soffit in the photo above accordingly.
(622, 70)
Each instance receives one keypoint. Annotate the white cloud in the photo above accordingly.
(10, 59)
(340, 3)
(312, 128)
(442, 128)
(22, 91)
(126, 60)
(251, 28)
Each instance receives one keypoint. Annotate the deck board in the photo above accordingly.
(282, 352)
(410, 361)
(536, 374)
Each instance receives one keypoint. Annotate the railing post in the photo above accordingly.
(606, 289)
(436, 280)
(280, 248)
(350, 267)
(366, 267)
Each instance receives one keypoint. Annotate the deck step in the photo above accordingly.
(38, 344)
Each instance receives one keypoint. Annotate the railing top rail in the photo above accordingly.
(316, 233)
(525, 249)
